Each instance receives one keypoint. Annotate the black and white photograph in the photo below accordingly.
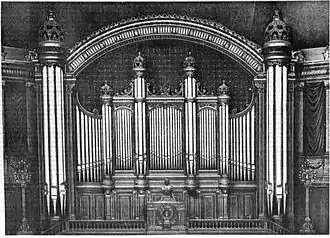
(164, 118)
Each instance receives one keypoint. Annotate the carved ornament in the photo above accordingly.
(162, 27)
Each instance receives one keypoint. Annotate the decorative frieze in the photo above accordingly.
(154, 28)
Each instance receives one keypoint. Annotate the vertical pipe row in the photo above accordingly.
(248, 146)
(79, 160)
(54, 142)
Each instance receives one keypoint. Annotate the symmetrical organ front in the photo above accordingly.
(142, 137)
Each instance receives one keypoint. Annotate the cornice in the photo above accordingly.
(314, 71)
(17, 71)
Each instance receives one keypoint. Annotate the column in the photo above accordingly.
(140, 123)
(291, 120)
(70, 119)
(190, 123)
(51, 55)
(260, 84)
(223, 115)
(107, 151)
(30, 118)
(277, 55)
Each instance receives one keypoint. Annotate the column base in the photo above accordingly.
(191, 184)
(141, 184)
(307, 227)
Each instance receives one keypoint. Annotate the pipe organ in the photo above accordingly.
(173, 158)
(184, 131)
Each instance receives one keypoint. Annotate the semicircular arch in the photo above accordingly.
(208, 33)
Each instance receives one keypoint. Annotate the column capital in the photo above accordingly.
(260, 86)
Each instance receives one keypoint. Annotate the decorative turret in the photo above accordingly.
(51, 38)
(277, 46)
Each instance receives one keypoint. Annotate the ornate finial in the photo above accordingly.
(106, 90)
(138, 65)
(189, 64)
(223, 89)
(189, 61)
(51, 30)
(298, 56)
(276, 15)
(277, 29)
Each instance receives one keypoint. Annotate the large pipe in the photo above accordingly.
(46, 133)
(278, 133)
(284, 135)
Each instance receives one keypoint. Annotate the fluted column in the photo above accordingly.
(223, 101)
(70, 119)
(277, 55)
(140, 123)
(30, 118)
(107, 150)
(260, 84)
(190, 123)
(51, 57)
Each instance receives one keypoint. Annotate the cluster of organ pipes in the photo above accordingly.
(123, 139)
(276, 140)
(242, 147)
(53, 139)
(139, 132)
(208, 139)
(165, 129)
(89, 146)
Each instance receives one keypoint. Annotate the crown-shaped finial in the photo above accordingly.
(106, 90)
(277, 29)
(51, 30)
(138, 65)
(223, 88)
(189, 64)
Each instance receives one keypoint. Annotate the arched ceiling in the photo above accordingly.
(309, 19)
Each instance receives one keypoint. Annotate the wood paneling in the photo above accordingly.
(84, 206)
(99, 207)
(125, 206)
